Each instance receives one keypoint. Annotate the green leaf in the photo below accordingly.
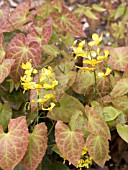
(70, 143)
(81, 10)
(97, 7)
(121, 103)
(90, 14)
(123, 131)
(84, 80)
(96, 123)
(22, 51)
(15, 142)
(121, 88)
(98, 148)
(118, 58)
(51, 50)
(56, 165)
(5, 115)
(36, 148)
(68, 107)
(120, 10)
(110, 113)
(67, 21)
(78, 122)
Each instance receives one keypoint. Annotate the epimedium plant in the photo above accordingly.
(41, 78)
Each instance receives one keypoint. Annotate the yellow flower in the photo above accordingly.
(84, 151)
(29, 85)
(46, 73)
(26, 79)
(27, 66)
(96, 40)
(49, 108)
(101, 74)
(79, 50)
(49, 86)
(92, 62)
(86, 68)
(105, 57)
(46, 98)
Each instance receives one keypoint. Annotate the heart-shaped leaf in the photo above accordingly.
(41, 32)
(36, 147)
(83, 81)
(68, 106)
(13, 144)
(98, 148)
(4, 13)
(118, 58)
(96, 123)
(17, 18)
(22, 52)
(110, 113)
(70, 143)
(67, 21)
(123, 131)
(5, 68)
(121, 88)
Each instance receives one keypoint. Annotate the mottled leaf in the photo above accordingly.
(36, 147)
(4, 13)
(13, 144)
(2, 52)
(118, 58)
(111, 113)
(121, 103)
(70, 143)
(5, 68)
(123, 131)
(98, 148)
(44, 10)
(18, 17)
(67, 21)
(120, 89)
(22, 52)
(84, 80)
(68, 106)
(96, 123)
(5, 115)
(40, 32)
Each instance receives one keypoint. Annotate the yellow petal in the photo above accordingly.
(95, 37)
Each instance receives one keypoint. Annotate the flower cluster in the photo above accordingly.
(92, 57)
(85, 160)
(45, 81)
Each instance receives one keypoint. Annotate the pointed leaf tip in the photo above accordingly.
(13, 144)
(70, 143)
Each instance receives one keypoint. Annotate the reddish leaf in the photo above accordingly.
(57, 4)
(67, 21)
(70, 143)
(36, 148)
(2, 52)
(18, 18)
(118, 58)
(98, 148)
(22, 51)
(5, 68)
(4, 13)
(13, 144)
(41, 32)
(96, 123)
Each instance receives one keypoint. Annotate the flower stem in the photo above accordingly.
(95, 84)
